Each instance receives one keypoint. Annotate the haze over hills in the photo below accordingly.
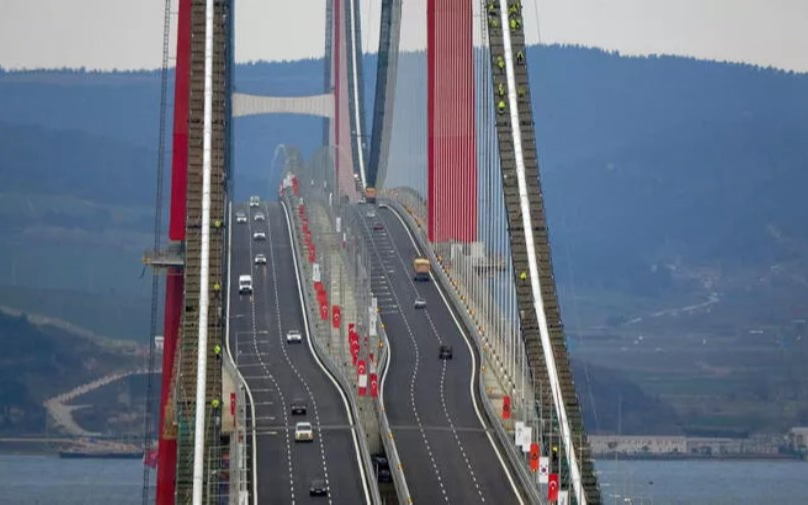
(666, 180)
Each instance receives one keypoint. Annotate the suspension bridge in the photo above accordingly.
(395, 292)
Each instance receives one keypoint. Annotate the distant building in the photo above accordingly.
(638, 445)
(798, 439)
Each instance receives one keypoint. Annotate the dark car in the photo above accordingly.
(378, 226)
(318, 487)
(298, 408)
(445, 352)
(383, 473)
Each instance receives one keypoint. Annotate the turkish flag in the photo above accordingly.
(305, 227)
(361, 369)
(374, 385)
(552, 488)
(324, 312)
(351, 326)
(311, 256)
(232, 404)
(534, 457)
(335, 316)
(506, 407)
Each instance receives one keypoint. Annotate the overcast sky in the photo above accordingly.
(127, 34)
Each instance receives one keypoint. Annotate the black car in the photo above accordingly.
(378, 226)
(383, 473)
(298, 408)
(318, 487)
(445, 352)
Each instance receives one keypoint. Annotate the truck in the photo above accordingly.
(421, 266)
(245, 284)
(370, 195)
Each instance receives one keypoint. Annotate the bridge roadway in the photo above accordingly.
(277, 373)
(448, 454)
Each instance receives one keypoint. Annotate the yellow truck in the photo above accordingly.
(370, 195)
(421, 266)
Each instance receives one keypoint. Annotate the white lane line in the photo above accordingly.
(325, 370)
(230, 355)
(412, 382)
(446, 414)
(270, 376)
(283, 344)
(467, 339)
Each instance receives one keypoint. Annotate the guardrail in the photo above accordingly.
(396, 468)
(525, 478)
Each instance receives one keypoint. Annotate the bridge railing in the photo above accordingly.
(339, 368)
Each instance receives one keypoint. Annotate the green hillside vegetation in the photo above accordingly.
(39, 362)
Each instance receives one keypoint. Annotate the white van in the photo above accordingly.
(245, 286)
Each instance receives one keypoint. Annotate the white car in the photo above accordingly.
(304, 432)
(371, 213)
(255, 201)
(260, 259)
(382, 206)
(294, 337)
(245, 285)
(259, 235)
(241, 218)
(420, 303)
(259, 216)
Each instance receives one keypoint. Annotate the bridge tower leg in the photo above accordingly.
(167, 445)
(451, 151)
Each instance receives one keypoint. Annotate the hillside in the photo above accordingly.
(39, 362)
(673, 190)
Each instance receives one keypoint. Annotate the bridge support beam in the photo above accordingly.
(451, 151)
(167, 441)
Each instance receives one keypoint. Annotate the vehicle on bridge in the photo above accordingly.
(245, 284)
(422, 267)
(420, 303)
(304, 432)
(241, 217)
(318, 487)
(445, 352)
(259, 216)
(261, 259)
(370, 195)
(294, 337)
(298, 407)
(259, 235)
(378, 226)
(255, 201)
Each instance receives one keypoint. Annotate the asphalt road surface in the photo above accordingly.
(278, 372)
(448, 455)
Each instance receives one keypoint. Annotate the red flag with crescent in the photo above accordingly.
(335, 316)
(552, 488)
(324, 312)
(363, 378)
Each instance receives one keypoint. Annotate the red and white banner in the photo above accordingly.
(362, 383)
(324, 311)
(374, 378)
(552, 488)
(336, 316)
(232, 404)
(506, 407)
